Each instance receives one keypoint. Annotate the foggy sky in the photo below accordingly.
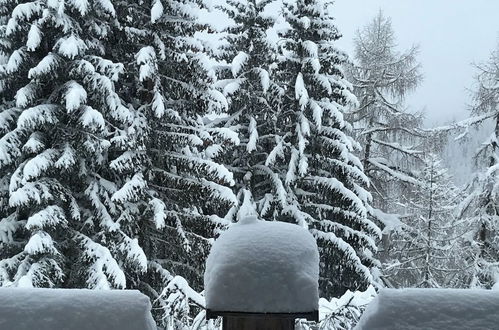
(452, 34)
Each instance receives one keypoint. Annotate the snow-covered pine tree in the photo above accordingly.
(324, 181)
(480, 207)
(4, 128)
(382, 77)
(254, 104)
(68, 217)
(171, 85)
(423, 251)
(4, 45)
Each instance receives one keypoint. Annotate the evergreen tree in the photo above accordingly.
(389, 135)
(324, 181)
(67, 215)
(107, 172)
(254, 102)
(295, 157)
(172, 86)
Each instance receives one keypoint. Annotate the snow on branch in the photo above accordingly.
(49, 217)
(8, 226)
(10, 147)
(398, 147)
(464, 124)
(339, 187)
(47, 64)
(71, 47)
(175, 301)
(27, 94)
(238, 63)
(130, 248)
(177, 287)
(353, 260)
(36, 166)
(394, 173)
(40, 243)
(38, 116)
(75, 95)
(22, 12)
(343, 313)
(159, 212)
(104, 271)
(131, 189)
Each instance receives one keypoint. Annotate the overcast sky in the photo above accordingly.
(452, 34)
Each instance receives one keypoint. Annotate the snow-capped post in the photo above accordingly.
(262, 275)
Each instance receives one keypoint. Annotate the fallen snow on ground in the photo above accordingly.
(432, 309)
(51, 309)
(263, 267)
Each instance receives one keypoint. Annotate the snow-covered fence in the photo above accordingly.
(432, 309)
(74, 309)
(262, 275)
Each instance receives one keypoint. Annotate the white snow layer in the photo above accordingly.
(263, 267)
(49, 309)
(432, 309)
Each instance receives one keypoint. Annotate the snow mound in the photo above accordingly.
(74, 309)
(432, 309)
(263, 267)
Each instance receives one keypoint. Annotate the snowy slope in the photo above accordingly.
(432, 309)
(50, 309)
(263, 267)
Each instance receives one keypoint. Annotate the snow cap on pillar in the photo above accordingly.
(263, 267)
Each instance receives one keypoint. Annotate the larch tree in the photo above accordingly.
(480, 208)
(382, 77)
(324, 183)
(423, 251)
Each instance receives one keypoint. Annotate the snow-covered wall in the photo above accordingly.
(432, 309)
(263, 267)
(74, 309)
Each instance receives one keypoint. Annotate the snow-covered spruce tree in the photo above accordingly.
(4, 44)
(480, 207)
(425, 249)
(68, 216)
(4, 127)
(324, 183)
(171, 85)
(294, 156)
(254, 102)
(382, 77)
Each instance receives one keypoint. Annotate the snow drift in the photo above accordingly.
(74, 309)
(432, 309)
(263, 267)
